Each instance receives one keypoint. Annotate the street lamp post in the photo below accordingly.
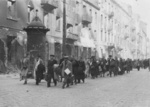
(64, 28)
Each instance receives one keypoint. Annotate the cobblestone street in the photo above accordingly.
(129, 90)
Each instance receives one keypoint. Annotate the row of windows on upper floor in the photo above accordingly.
(11, 8)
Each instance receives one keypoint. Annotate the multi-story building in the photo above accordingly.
(81, 26)
(142, 44)
(93, 28)
(115, 29)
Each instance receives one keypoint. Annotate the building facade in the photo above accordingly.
(93, 28)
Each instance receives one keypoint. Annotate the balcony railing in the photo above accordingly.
(70, 22)
(59, 11)
(126, 36)
(77, 18)
(110, 28)
(133, 51)
(110, 15)
(86, 18)
(111, 46)
(72, 36)
(133, 38)
(49, 5)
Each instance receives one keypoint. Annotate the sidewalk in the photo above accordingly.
(10, 75)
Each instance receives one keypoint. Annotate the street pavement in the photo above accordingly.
(129, 90)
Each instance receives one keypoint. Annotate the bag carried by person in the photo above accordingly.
(67, 71)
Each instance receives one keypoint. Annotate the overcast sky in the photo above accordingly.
(142, 7)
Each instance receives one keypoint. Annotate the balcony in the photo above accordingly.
(93, 3)
(133, 51)
(70, 22)
(49, 5)
(72, 36)
(133, 38)
(110, 46)
(93, 35)
(111, 15)
(59, 12)
(126, 36)
(119, 49)
(110, 28)
(77, 18)
(86, 18)
(133, 29)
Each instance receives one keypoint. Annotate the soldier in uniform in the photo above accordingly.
(50, 73)
(24, 68)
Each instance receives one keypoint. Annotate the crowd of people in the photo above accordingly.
(71, 71)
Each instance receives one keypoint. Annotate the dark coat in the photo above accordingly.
(81, 69)
(103, 65)
(51, 67)
(75, 66)
(40, 70)
(111, 63)
(93, 68)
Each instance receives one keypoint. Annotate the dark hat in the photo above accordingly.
(39, 56)
(52, 55)
(66, 57)
(110, 55)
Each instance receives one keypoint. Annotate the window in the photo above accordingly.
(101, 35)
(90, 11)
(46, 20)
(77, 6)
(105, 22)
(58, 24)
(95, 18)
(11, 9)
(105, 36)
(101, 21)
(75, 28)
(30, 11)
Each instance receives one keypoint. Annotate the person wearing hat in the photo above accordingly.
(81, 69)
(111, 65)
(66, 66)
(24, 68)
(93, 67)
(39, 72)
(50, 73)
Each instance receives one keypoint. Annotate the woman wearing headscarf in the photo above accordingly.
(39, 72)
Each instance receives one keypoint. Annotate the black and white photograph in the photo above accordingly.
(74, 53)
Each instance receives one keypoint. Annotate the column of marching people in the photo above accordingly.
(71, 71)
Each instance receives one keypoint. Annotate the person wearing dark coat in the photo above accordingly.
(50, 72)
(93, 67)
(103, 66)
(111, 63)
(81, 69)
(39, 72)
(116, 70)
(75, 66)
(66, 72)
